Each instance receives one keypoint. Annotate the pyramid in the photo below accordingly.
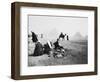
(77, 36)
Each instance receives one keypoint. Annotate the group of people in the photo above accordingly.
(63, 36)
(46, 48)
(39, 48)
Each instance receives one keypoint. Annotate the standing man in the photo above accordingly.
(67, 37)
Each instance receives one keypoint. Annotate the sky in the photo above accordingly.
(53, 25)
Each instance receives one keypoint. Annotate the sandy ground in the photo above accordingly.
(76, 53)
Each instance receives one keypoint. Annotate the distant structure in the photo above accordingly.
(41, 35)
(77, 37)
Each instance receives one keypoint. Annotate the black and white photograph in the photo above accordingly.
(57, 40)
(53, 40)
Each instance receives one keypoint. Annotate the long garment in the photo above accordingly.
(47, 49)
(38, 49)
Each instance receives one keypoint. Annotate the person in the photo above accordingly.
(62, 36)
(59, 50)
(57, 46)
(34, 37)
(47, 48)
(67, 37)
(38, 49)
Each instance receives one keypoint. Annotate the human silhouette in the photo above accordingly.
(34, 37)
(62, 36)
(38, 49)
(56, 44)
(67, 37)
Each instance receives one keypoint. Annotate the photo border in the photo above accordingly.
(15, 39)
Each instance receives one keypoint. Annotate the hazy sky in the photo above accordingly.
(52, 24)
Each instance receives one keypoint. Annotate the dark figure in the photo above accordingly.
(34, 37)
(58, 49)
(57, 46)
(47, 49)
(67, 37)
(38, 49)
(62, 36)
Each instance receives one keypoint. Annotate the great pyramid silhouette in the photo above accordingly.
(77, 36)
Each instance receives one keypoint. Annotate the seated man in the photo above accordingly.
(47, 48)
(57, 46)
(38, 49)
(59, 50)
